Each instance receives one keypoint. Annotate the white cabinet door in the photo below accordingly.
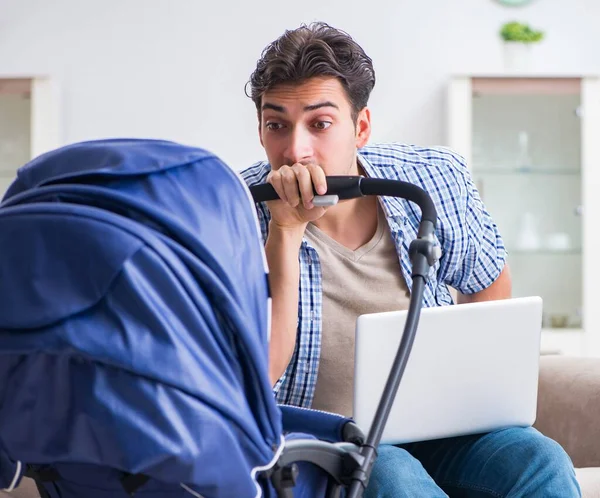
(531, 145)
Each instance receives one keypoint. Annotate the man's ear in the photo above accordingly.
(363, 127)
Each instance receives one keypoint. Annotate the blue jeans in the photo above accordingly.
(518, 462)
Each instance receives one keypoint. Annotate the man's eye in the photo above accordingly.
(274, 126)
(322, 125)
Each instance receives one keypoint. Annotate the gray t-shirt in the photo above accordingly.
(368, 280)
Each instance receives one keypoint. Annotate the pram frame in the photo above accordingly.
(350, 464)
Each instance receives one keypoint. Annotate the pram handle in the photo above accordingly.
(424, 253)
(350, 187)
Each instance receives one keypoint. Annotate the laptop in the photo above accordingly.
(473, 369)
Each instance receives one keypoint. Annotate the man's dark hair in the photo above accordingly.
(314, 50)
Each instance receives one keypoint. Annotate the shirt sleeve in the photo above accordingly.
(478, 251)
(254, 175)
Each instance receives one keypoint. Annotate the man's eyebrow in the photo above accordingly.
(312, 107)
(276, 108)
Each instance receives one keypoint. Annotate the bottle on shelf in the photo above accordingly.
(524, 162)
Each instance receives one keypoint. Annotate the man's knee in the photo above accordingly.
(391, 459)
(397, 473)
(533, 448)
(538, 465)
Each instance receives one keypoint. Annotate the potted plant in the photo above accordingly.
(518, 38)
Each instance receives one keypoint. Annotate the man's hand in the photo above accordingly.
(294, 185)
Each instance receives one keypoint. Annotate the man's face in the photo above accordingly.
(312, 123)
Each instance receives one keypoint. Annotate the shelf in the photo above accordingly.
(545, 252)
(564, 330)
(526, 172)
(567, 341)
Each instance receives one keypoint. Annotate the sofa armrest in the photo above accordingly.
(569, 406)
(26, 489)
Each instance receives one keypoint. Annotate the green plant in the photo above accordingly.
(519, 32)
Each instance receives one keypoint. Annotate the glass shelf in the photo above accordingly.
(545, 252)
(527, 167)
(561, 330)
(526, 171)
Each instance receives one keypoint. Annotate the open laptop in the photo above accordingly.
(473, 369)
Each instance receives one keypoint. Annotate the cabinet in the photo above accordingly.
(532, 143)
(28, 123)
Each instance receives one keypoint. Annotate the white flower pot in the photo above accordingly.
(517, 56)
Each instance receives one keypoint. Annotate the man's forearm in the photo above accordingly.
(284, 275)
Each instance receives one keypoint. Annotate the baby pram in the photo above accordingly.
(134, 327)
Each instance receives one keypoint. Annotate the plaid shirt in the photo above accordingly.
(473, 253)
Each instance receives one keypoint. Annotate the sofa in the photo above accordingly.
(568, 412)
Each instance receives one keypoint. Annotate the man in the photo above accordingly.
(328, 265)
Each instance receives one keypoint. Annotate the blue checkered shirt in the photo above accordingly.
(473, 253)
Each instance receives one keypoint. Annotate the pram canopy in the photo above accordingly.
(134, 317)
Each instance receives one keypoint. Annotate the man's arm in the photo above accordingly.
(501, 288)
(475, 254)
(281, 249)
(289, 218)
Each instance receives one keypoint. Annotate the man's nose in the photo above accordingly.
(300, 147)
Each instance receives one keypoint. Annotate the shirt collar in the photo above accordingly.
(393, 206)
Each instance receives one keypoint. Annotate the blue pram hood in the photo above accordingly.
(134, 319)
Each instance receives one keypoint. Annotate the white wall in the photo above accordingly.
(176, 69)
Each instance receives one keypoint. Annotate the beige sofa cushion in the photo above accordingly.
(26, 489)
(569, 404)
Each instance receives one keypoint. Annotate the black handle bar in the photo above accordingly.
(350, 187)
(423, 255)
